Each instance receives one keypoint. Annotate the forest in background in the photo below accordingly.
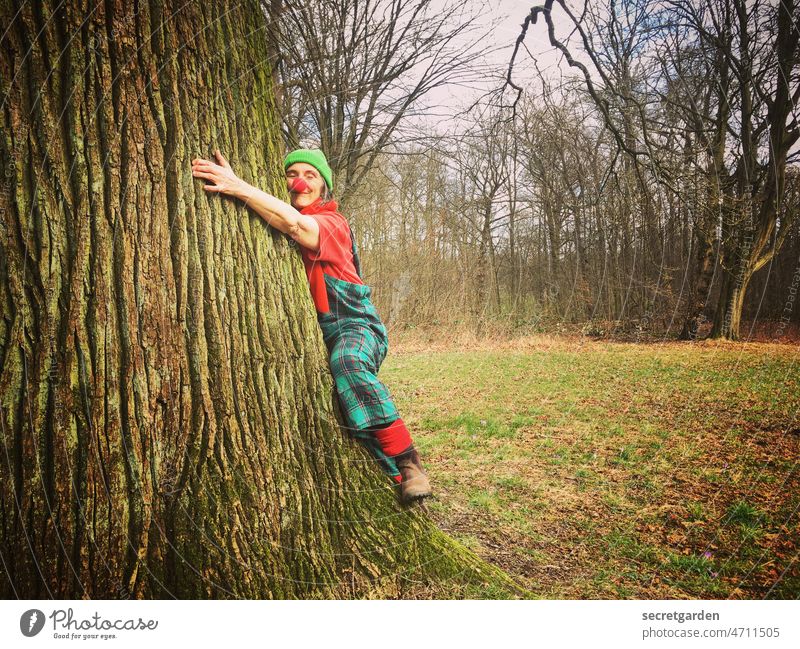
(627, 196)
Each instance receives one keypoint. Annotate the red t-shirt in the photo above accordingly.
(335, 254)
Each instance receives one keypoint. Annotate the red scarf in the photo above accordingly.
(316, 278)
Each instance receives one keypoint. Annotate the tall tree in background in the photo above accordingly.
(352, 71)
(759, 44)
(740, 135)
(168, 426)
(482, 161)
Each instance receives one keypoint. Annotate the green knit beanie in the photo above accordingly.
(316, 159)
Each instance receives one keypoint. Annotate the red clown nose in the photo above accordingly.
(298, 185)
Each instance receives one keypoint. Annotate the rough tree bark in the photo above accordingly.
(168, 426)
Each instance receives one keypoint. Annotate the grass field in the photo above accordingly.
(599, 470)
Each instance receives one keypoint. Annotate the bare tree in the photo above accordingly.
(746, 129)
(352, 71)
(482, 158)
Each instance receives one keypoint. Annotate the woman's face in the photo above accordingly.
(315, 182)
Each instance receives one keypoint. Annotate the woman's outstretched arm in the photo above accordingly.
(280, 215)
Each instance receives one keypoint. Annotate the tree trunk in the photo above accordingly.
(168, 422)
(728, 317)
(698, 291)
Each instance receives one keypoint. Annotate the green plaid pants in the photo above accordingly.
(357, 341)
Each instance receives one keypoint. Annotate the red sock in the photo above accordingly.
(394, 438)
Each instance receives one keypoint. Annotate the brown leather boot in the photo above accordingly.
(415, 483)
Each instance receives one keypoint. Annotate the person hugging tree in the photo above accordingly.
(354, 334)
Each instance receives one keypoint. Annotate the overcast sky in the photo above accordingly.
(507, 16)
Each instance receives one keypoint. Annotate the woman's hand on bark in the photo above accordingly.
(221, 175)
